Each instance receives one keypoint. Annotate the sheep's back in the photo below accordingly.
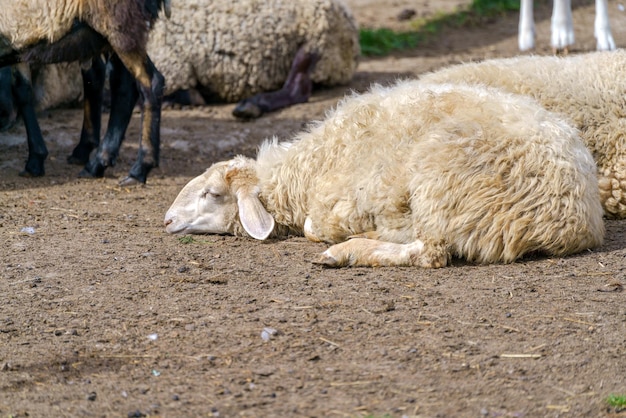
(237, 49)
(492, 174)
(587, 89)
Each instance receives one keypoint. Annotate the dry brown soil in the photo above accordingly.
(104, 314)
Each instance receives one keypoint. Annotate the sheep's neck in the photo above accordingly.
(283, 194)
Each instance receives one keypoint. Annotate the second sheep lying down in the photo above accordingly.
(586, 89)
(230, 51)
(419, 173)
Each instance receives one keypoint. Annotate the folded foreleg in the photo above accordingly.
(374, 253)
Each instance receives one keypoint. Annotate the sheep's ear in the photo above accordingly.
(254, 218)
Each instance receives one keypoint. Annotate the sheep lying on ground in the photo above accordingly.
(418, 173)
(41, 32)
(231, 52)
(56, 85)
(563, 27)
(587, 89)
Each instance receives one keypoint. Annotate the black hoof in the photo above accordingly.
(247, 110)
(130, 181)
(26, 173)
(34, 168)
(92, 170)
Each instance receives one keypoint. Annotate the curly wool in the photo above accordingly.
(492, 175)
(237, 49)
(587, 89)
(23, 23)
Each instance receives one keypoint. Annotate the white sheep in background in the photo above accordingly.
(233, 50)
(587, 89)
(419, 173)
(56, 85)
(562, 26)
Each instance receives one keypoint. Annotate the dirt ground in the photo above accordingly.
(103, 314)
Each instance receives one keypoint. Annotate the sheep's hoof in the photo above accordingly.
(34, 167)
(247, 110)
(26, 173)
(130, 181)
(92, 170)
(326, 260)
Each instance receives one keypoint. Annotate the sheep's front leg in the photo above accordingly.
(374, 253)
(297, 89)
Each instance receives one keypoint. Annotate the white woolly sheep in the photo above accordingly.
(562, 26)
(231, 51)
(587, 89)
(49, 31)
(418, 173)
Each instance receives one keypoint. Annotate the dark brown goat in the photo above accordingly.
(118, 28)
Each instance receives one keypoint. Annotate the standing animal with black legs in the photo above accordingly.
(82, 30)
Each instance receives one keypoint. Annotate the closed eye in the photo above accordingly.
(211, 194)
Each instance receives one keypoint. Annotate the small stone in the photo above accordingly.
(92, 396)
(267, 333)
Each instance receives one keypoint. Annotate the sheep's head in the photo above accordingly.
(223, 200)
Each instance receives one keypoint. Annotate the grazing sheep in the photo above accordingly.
(418, 173)
(563, 27)
(587, 89)
(42, 32)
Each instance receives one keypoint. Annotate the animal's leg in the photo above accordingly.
(37, 151)
(93, 84)
(8, 110)
(602, 28)
(526, 31)
(562, 25)
(373, 253)
(150, 83)
(123, 99)
(297, 89)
